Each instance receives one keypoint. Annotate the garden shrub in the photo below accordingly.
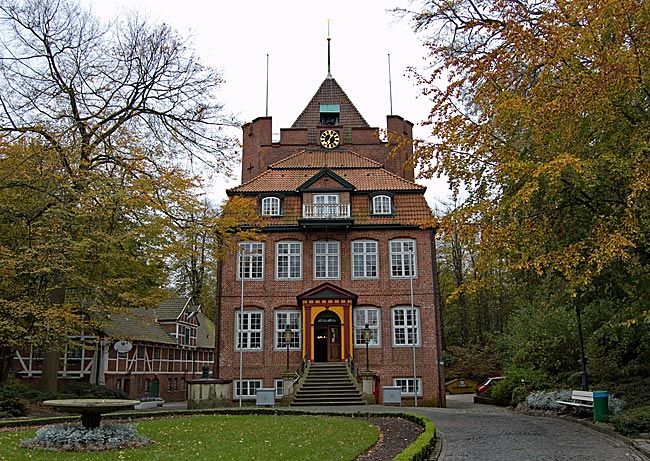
(633, 421)
(11, 407)
(635, 392)
(75, 437)
(82, 390)
(11, 404)
(518, 384)
(25, 393)
(546, 400)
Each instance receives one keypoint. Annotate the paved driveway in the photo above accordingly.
(482, 432)
(486, 433)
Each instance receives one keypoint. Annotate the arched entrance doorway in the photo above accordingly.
(327, 340)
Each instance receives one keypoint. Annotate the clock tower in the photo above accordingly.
(341, 256)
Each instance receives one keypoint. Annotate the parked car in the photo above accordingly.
(483, 388)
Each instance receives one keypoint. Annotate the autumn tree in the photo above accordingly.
(541, 118)
(203, 236)
(100, 124)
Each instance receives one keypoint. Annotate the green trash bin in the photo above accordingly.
(600, 405)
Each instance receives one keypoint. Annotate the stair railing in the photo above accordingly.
(299, 373)
(294, 382)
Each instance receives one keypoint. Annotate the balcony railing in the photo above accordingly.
(326, 211)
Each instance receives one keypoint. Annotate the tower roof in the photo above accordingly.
(329, 93)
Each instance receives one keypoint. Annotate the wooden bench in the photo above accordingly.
(580, 399)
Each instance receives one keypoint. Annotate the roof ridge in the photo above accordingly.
(278, 165)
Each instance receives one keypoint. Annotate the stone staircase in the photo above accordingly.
(327, 384)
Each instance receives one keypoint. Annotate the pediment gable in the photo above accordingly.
(326, 179)
(327, 290)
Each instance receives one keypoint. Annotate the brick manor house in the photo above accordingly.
(342, 252)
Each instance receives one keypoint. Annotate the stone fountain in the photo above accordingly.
(91, 410)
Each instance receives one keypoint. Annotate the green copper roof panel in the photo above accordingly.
(330, 108)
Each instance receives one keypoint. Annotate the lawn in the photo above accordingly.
(209, 437)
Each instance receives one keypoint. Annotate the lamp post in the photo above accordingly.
(413, 330)
(288, 334)
(366, 339)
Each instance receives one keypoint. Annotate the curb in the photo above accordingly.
(438, 452)
(639, 449)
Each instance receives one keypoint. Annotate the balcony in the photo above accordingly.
(326, 215)
(325, 211)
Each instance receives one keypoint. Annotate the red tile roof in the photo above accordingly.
(366, 175)
(331, 159)
(288, 174)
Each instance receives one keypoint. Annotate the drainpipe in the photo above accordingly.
(217, 318)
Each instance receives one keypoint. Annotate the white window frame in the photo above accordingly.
(294, 318)
(332, 261)
(407, 385)
(321, 202)
(271, 206)
(366, 258)
(382, 205)
(253, 261)
(372, 317)
(403, 261)
(278, 384)
(402, 326)
(249, 386)
(288, 252)
(251, 336)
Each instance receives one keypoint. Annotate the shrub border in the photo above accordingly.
(419, 450)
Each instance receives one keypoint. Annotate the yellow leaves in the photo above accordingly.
(643, 318)
(558, 166)
(609, 245)
(527, 191)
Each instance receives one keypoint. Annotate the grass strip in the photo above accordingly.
(231, 437)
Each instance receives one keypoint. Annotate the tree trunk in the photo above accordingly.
(49, 377)
(52, 356)
(6, 361)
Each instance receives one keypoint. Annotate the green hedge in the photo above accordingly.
(423, 446)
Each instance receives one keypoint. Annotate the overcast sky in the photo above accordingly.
(236, 36)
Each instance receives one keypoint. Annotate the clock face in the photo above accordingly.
(329, 139)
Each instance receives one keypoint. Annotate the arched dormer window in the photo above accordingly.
(271, 206)
(382, 205)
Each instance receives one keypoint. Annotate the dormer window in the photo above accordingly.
(271, 206)
(382, 205)
(329, 114)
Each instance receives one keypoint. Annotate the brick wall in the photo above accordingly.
(269, 295)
